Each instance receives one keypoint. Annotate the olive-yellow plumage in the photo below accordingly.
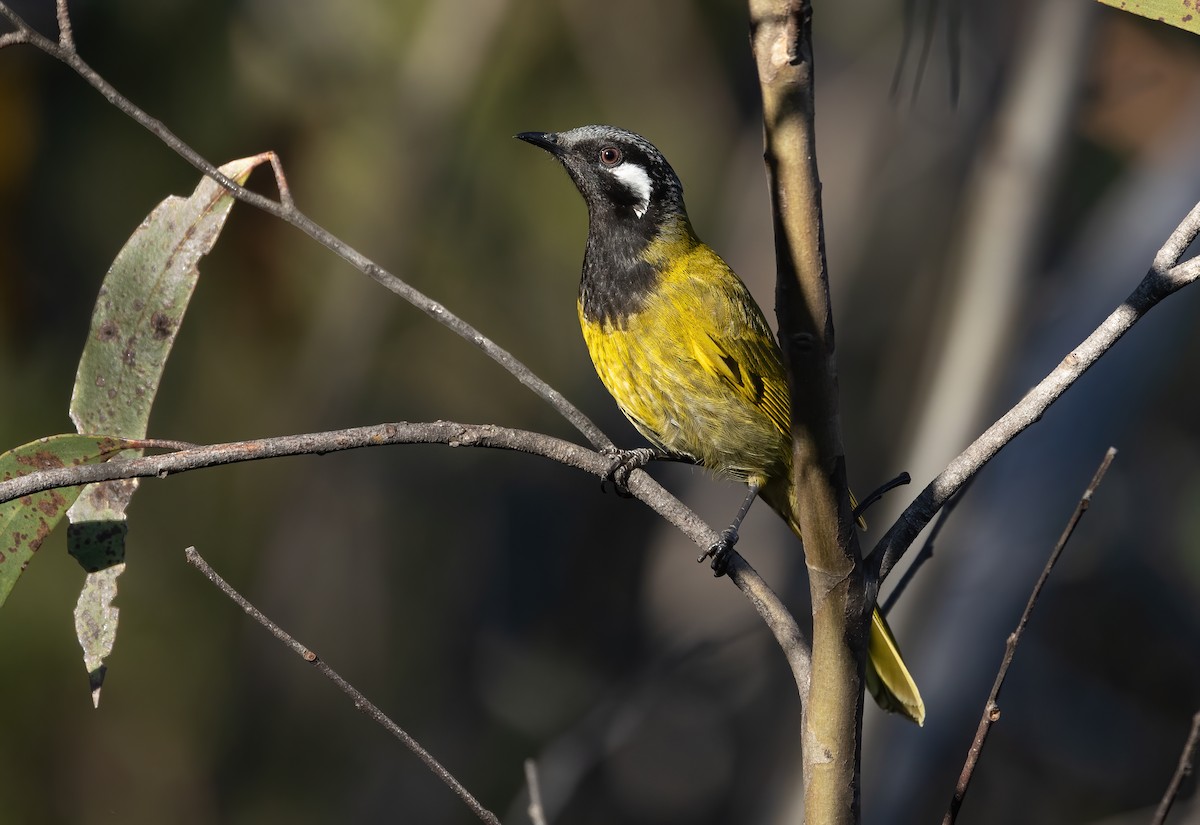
(682, 346)
(718, 351)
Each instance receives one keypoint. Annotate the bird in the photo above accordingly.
(683, 348)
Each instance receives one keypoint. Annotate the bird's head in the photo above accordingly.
(620, 174)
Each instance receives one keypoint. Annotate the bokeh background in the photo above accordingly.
(986, 209)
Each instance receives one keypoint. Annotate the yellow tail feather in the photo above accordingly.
(888, 678)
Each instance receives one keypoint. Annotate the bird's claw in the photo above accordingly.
(624, 462)
(720, 552)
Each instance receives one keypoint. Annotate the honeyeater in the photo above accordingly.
(682, 346)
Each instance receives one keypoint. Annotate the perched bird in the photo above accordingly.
(682, 346)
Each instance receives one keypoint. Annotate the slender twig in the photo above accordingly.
(1181, 772)
(65, 38)
(924, 554)
(879, 492)
(285, 210)
(1166, 277)
(537, 813)
(991, 708)
(361, 702)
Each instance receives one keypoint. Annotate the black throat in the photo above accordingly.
(617, 280)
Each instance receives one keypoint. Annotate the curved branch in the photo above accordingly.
(1164, 278)
(64, 51)
(768, 605)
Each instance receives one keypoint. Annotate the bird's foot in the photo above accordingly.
(624, 462)
(720, 552)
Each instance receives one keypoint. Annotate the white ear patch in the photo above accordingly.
(638, 180)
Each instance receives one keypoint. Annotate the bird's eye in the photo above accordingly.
(610, 155)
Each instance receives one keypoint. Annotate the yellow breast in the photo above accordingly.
(696, 369)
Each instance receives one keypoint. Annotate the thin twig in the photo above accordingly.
(65, 38)
(879, 492)
(991, 708)
(285, 210)
(537, 814)
(360, 701)
(1166, 277)
(925, 553)
(1181, 772)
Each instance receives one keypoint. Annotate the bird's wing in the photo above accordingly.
(732, 339)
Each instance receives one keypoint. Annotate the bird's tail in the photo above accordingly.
(888, 679)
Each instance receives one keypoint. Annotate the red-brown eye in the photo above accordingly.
(610, 155)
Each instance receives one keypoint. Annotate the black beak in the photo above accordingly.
(543, 140)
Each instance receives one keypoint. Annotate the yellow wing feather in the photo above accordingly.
(888, 678)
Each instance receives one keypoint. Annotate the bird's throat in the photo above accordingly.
(624, 263)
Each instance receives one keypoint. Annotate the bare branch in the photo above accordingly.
(1181, 772)
(781, 35)
(360, 702)
(925, 553)
(773, 612)
(1158, 283)
(65, 38)
(991, 708)
(285, 210)
(438, 432)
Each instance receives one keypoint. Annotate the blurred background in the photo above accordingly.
(986, 208)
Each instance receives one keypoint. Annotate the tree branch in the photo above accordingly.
(768, 605)
(925, 554)
(1165, 277)
(64, 51)
(991, 708)
(1181, 772)
(781, 34)
(360, 702)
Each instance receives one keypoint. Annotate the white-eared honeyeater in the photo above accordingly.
(682, 346)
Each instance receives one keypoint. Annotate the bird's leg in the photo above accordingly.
(624, 462)
(729, 536)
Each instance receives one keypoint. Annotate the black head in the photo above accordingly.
(620, 174)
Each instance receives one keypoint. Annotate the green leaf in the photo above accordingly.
(138, 313)
(26, 522)
(1183, 14)
(141, 305)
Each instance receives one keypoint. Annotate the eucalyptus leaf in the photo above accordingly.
(137, 317)
(26, 522)
(1182, 14)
